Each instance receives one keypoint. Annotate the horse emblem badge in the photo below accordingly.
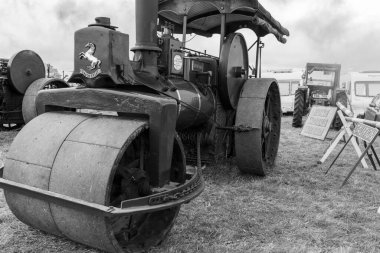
(94, 62)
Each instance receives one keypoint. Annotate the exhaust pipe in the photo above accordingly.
(146, 49)
(146, 25)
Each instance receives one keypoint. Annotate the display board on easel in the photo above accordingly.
(319, 121)
(362, 129)
(365, 133)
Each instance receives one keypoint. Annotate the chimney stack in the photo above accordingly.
(146, 49)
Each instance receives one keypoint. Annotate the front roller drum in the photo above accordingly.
(94, 158)
(258, 124)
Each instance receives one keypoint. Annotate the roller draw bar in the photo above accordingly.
(159, 201)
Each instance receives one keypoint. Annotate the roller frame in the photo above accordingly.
(191, 189)
(86, 161)
(161, 111)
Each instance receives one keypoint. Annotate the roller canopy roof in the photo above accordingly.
(203, 17)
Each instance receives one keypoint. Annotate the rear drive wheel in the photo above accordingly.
(299, 108)
(259, 111)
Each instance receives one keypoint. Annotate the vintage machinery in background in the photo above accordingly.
(372, 112)
(117, 182)
(320, 87)
(21, 77)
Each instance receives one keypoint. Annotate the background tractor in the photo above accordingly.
(320, 87)
(116, 182)
(21, 77)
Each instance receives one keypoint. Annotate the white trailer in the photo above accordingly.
(288, 81)
(361, 88)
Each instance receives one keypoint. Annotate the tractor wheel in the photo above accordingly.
(342, 98)
(94, 158)
(259, 116)
(29, 110)
(299, 108)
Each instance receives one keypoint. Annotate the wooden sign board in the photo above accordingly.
(318, 123)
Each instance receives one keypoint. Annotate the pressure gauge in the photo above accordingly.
(177, 62)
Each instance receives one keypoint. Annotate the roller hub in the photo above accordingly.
(267, 126)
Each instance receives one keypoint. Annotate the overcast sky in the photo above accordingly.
(330, 31)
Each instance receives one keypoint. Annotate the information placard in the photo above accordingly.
(318, 123)
(365, 132)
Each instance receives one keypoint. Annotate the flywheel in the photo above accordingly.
(29, 110)
(94, 158)
(24, 68)
(259, 118)
(233, 69)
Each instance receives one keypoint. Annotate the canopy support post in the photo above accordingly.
(252, 46)
(260, 52)
(258, 57)
(222, 30)
(184, 31)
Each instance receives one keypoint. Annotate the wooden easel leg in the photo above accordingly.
(357, 149)
(332, 146)
(377, 158)
(369, 154)
(353, 168)
(349, 132)
(340, 152)
(356, 164)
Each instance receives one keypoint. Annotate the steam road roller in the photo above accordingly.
(21, 77)
(116, 182)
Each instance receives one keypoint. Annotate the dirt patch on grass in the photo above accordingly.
(295, 208)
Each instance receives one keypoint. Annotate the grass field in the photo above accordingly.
(295, 208)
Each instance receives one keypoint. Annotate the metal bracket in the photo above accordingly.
(239, 128)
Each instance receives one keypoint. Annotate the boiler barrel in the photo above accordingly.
(197, 104)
